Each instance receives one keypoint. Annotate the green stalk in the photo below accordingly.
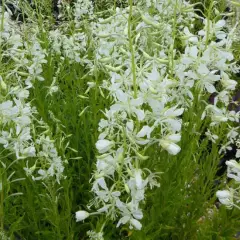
(173, 37)
(208, 23)
(1, 204)
(2, 26)
(132, 49)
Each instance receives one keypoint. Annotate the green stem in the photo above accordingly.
(122, 160)
(173, 37)
(2, 27)
(132, 49)
(208, 23)
(1, 204)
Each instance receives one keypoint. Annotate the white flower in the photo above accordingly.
(129, 104)
(228, 83)
(123, 220)
(130, 213)
(173, 112)
(99, 182)
(233, 170)
(104, 145)
(211, 137)
(225, 197)
(145, 131)
(207, 78)
(168, 143)
(30, 151)
(152, 179)
(218, 115)
(174, 137)
(81, 215)
(189, 36)
(214, 28)
(138, 178)
(136, 224)
(238, 153)
(106, 165)
(171, 147)
(22, 93)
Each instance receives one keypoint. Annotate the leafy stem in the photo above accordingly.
(132, 49)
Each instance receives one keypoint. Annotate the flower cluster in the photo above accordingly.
(70, 47)
(143, 84)
(230, 197)
(3, 236)
(18, 118)
(82, 8)
(95, 235)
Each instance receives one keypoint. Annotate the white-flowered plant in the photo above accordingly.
(18, 118)
(151, 86)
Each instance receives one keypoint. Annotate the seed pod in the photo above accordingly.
(103, 156)
(103, 35)
(126, 188)
(105, 60)
(141, 157)
(146, 55)
(123, 51)
(120, 158)
(113, 69)
(149, 22)
(23, 74)
(83, 97)
(160, 60)
(83, 111)
(101, 92)
(107, 20)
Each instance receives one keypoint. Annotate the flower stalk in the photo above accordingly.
(131, 47)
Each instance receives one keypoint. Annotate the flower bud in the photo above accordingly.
(107, 20)
(113, 69)
(150, 22)
(120, 158)
(218, 118)
(81, 215)
(3, 85)
(127, 188)
(141, 157)
(105, 60)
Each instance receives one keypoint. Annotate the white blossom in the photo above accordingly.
(81, 215)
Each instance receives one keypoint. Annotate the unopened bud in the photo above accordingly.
(3, 85)
(81, 215)
(113, 69)
(126, 188)
(141, 157)
(120, 158)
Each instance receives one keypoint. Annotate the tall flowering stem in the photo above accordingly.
(131, 47)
